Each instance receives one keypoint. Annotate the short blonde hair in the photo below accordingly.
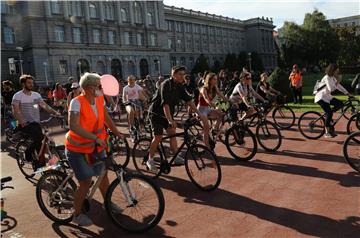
(88, 79)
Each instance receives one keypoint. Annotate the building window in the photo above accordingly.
(140, 39)
(153, 39)
(191, 61)
(169, 25)
(173, 61)
(93, 10)
(169, 43)
(63, 67)
(196, 28)
(124, 15)
(178, 26)
(127, 38)
(75, 8)
(77, 34)
(9, 36)
(55, 7)
(150, 18)
(96, 36)
(138, 15)
(109, 11)
(197, 45)
(179, 43)
(6, 8)
(111, 37)
(188, 43)
(182, 61)
(59, 34)
(204, 29)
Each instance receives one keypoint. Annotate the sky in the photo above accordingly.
(279, 10)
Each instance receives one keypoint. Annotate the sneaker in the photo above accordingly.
(151, 165)
(179, 160)
(328, 136)
(82, 220)
(114, 208)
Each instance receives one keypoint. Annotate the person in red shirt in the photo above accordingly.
(59, 95)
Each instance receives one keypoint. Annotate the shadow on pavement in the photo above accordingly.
(8, 223)
(305, 223)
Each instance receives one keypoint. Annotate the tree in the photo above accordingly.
(216, 67)
(230, 62)
(279, 79)
(201, 65)
(256, 62)
(242, 60)
(350, 46)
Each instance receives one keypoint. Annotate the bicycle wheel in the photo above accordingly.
(121, 151)
(140, 155)
(141, 200)
(26, 167)
(351, 150)
(268, 135)
(56, 203)
(311, 125)
(202, 167)
(284, 117)
(351, 109)
(353, 124)
(241, 143)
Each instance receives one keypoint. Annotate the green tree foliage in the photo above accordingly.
(350, 46)
(242, 60)
(279, 79)
(230, 62)
(201, 64)
(256, 62)
(313, 43)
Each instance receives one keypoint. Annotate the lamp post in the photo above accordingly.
(249, 58)
(46, 76)
(19, 50)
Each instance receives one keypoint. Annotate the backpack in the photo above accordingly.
(318, 87)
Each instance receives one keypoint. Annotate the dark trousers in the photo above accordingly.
(328, 111)
(297, 94)
(34, 131)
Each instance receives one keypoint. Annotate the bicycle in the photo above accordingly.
(8, 125)
(198, 159)
(312, 124)
(48, 148)
(353, 123)
(351, 150)
(141, 122)
(267, 133)
(2, 186)
(283, 115)
(131, 192)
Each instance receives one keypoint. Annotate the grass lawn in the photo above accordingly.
(308, 104)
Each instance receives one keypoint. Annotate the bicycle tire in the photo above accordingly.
(41, 202)
(349, 140)
(140, 155)
(261, 140)
(144, 182)
(351, 110)
(26, 167)
(302, 125)
(120, 151)
(353, 124)
(245, 132)
(190, 155)
(289, 121)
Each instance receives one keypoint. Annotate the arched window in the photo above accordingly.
(124, 15)
(138, 12)
(100, 67)
(93, 10)
(116, 68)
(144, 68)
(83, 66)
(150, 18)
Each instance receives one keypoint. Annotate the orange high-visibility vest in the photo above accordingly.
(90, 123)
(295, 79)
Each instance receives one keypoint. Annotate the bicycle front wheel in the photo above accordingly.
(241, 143)
(121, 151)
(351, 150)
(26, 167)
(284, 117)
(352, 109)
(269, 136)
(54, 201)
(311, 125)
(141, 201)
(202, 167)
(353, 124)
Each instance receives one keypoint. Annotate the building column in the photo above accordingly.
(145, 14)
(87, 13)
(118, 11)
(47, 8)
(102, 11)
(156, 14)
(65, 6)
(131, 13)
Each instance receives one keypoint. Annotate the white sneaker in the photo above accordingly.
(82, 220)
(152, 165)
(114, 208)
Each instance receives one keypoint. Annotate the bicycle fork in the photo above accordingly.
(129, 196)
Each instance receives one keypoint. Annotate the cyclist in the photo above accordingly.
(7, 94)
(206, 105)
(241, 96)
(85, 142)
(132, 93)
(264, 89)
(75, 91)
(59, 95)
(329, 83)
(26, 111)
(162, 109)
(161, 79)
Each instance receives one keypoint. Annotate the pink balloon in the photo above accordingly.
(109, 85)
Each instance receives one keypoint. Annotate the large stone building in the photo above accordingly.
(57, 39)
(347, 22)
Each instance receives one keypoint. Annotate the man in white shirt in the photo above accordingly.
(329, 83)
(132, 93)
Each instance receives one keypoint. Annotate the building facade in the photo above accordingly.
(347, 22)
(53, 40)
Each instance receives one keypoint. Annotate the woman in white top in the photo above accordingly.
(132, 93)
(241, 95)
(329, 83)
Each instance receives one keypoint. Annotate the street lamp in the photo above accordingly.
(249, 58)
(20, 49)
(46, 76)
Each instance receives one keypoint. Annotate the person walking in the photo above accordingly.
(296, 84)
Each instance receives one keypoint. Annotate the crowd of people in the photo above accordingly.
(89, 117)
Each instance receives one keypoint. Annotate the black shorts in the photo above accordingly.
(158, 125)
